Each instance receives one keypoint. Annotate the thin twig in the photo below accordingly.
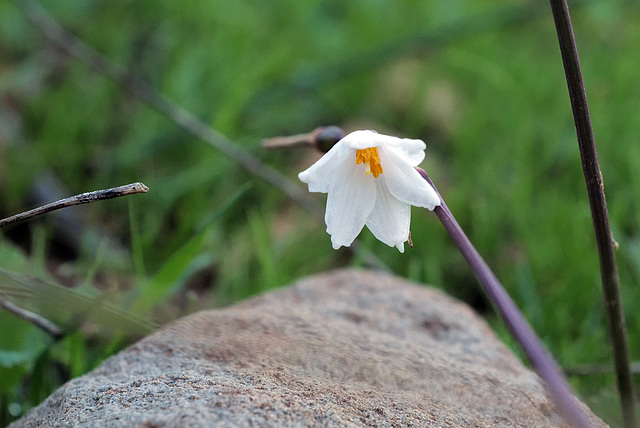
(35, 319)
(599, 212)
(83, 198)
(51, 297)
(136, 86)
(597, 369)
(543, 363)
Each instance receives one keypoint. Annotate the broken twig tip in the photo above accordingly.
(83, 198)
(139, 188)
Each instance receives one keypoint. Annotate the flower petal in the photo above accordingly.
(405, 183)
(319, 176)
(390, 218)
(361, 139)
(411, 150)
(352, 195)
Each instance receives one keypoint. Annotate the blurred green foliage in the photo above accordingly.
(480, 81)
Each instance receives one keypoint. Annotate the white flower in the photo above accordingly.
(371, 180)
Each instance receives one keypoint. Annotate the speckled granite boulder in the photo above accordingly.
(346, 348)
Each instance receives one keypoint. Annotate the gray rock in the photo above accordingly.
(346, 348)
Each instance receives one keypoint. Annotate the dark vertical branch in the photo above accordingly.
(595, 190)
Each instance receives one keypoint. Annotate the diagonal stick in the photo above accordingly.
(187, 121)
(35, 319)
(75, 47)
(520, 329)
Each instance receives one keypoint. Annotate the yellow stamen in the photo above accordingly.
(371, 159)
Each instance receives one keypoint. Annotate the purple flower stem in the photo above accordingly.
(545, 366)
(599, 212)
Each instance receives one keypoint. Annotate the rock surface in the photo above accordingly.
(346, 348)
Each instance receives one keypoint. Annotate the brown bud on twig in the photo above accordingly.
(322, 138)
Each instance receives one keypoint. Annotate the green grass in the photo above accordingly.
(486, 94)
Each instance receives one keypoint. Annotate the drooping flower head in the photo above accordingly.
(371, 180)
